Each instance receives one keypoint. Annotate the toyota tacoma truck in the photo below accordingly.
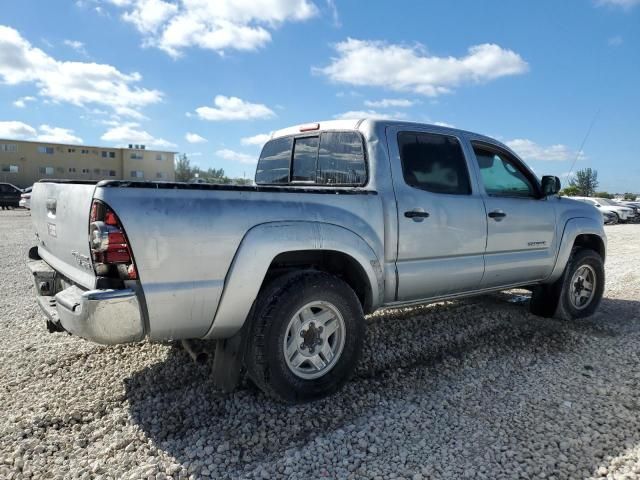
(344, 218)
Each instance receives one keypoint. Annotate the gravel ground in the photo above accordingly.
(468, 389)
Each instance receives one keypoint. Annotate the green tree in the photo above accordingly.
(570, 191)
(184, 170)
(586, 181)
(603, 195)
(630, 197)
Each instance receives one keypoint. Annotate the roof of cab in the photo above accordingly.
(354, 124)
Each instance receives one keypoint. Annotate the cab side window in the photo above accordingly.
(502, 175)
(434, 163)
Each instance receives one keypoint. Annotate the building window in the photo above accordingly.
(136, 156)
(161, 156)
(112, 173)
(137, 174)
(47, 150)
(71, 150)
(85, 170)
(96, 171)
(46, 170)
(60, 170)
(84, 151)
(106, 154)
(72, 169)
(161, 175)
(8, 147)
(10, 168)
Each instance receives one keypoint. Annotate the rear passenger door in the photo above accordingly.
(442, 223)
(521, 222)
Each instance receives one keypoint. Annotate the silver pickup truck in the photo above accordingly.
(345, 217)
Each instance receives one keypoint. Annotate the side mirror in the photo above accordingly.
(550, 185)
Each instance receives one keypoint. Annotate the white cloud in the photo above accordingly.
(625, 4)
(57, 135)
(444, 124)
(615, 41)
(407, 69)
(233, 108)
(233, 156)
(78, 83)
(16, 130)
(149, 15)
(45, 133)
(530, 150)
(131, 132)
(389, 102)
(22, 101)
(220, 25)
(258, 140)
(354, 114)
(194, 138)
(77, 45)
(335, 16)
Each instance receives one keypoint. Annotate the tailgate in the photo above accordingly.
(60, 214)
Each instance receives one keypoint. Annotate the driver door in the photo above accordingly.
(521, 222)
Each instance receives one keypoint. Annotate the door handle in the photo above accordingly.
(416, 215)
(497, 215)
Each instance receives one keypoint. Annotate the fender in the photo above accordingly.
(262, 244)
(572, 228)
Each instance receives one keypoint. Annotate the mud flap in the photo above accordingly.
(227, 363)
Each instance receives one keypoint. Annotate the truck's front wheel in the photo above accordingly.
(305, 337)
(577, 293)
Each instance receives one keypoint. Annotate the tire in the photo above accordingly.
(616, 219)
(558, 299)
(282, 307)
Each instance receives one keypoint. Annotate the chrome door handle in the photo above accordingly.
(416, 215)
(497, 215)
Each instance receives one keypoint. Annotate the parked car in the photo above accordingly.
(346, 217)
(609, 218)
(634, 205)
(9, 196)
(25, 198)
(603, 204)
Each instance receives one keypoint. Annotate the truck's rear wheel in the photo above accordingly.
(577, 293)
(306, 336)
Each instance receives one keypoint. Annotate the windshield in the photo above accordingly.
(606, 201)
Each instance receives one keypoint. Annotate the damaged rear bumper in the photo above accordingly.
(103, 316)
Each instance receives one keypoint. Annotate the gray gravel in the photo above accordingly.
(470, 389)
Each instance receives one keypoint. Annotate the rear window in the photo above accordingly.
(331, 158)
(341, 159)
(273, 166)
(305, 154)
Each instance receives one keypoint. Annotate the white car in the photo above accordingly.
(634, 205)
(622, 213)
(25, 198)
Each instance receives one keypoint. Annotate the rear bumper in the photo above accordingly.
(103, 316)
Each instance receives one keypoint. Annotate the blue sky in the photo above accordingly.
(211, 78)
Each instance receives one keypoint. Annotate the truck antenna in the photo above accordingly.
(584, 140)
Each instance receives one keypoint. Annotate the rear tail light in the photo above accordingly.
(109, 246)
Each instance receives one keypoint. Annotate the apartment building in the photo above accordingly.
(24, 162)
